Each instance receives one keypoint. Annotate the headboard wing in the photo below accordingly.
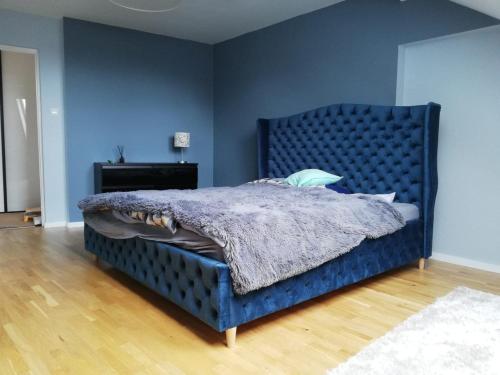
(378, 149)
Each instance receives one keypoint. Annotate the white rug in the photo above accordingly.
(459, 334)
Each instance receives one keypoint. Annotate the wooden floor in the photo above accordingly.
(14, 220)
(61, 314)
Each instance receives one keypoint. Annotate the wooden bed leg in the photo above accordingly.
(231, 337)
(421, 264)
(95, 258)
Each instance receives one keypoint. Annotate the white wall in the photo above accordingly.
(45, 36)
(21, 130)
(462, 73)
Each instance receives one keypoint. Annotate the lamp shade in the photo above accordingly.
(181, 139)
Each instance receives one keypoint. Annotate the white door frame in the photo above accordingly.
(34, 52)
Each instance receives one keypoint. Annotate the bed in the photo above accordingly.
(378, 149)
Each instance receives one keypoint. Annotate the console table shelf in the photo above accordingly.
(144, 176)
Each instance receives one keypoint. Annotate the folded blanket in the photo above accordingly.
(268, 232)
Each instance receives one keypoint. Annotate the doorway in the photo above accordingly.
(20, 188)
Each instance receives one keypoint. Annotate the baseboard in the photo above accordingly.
(465, 262)
(62, 224)
(55, 224)
(75, 224)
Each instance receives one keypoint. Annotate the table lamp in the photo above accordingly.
(181, 140)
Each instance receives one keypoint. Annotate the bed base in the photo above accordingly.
(202, 286)
(376, 148)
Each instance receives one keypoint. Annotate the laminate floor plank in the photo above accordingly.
(60, 313)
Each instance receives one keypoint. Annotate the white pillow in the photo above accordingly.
(389, 198)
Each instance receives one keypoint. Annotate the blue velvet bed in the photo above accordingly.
(378, 149)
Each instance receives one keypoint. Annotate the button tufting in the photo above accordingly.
(215, 314)
(368, 145)
(363, 133)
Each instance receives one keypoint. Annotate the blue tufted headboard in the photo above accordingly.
(378, 149)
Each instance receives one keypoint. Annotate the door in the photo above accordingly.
(20, 185)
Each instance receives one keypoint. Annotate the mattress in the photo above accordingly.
(409, 211)
(119, 226)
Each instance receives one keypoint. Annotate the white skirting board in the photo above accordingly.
(61, 224)
(465, 262)
(55, 224)
(75, 224)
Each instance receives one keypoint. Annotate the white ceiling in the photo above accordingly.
(489, 7)
(208, 21)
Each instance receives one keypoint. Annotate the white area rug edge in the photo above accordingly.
(457, 334)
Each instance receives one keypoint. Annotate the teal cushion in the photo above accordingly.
(312, 177)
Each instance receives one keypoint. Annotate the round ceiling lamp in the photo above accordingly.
(147, 6)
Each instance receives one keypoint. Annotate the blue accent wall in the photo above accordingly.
(124, 87)
(344, 53)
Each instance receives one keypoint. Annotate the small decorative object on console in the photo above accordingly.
(181, 140)
(121, 156)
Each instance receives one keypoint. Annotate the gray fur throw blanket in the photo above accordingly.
(268, 232)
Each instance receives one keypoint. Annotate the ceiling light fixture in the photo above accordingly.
(147, 6)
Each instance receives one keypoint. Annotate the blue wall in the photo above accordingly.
(344, 53)
(45, 35)
(137, 89)
(130, 88)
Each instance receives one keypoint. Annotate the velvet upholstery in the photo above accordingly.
(202, 286)
(376, 149)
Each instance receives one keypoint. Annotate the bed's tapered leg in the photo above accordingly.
(231, 337)
(421, 263)
(95, 259)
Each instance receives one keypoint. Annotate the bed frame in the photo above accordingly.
(376, 148)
